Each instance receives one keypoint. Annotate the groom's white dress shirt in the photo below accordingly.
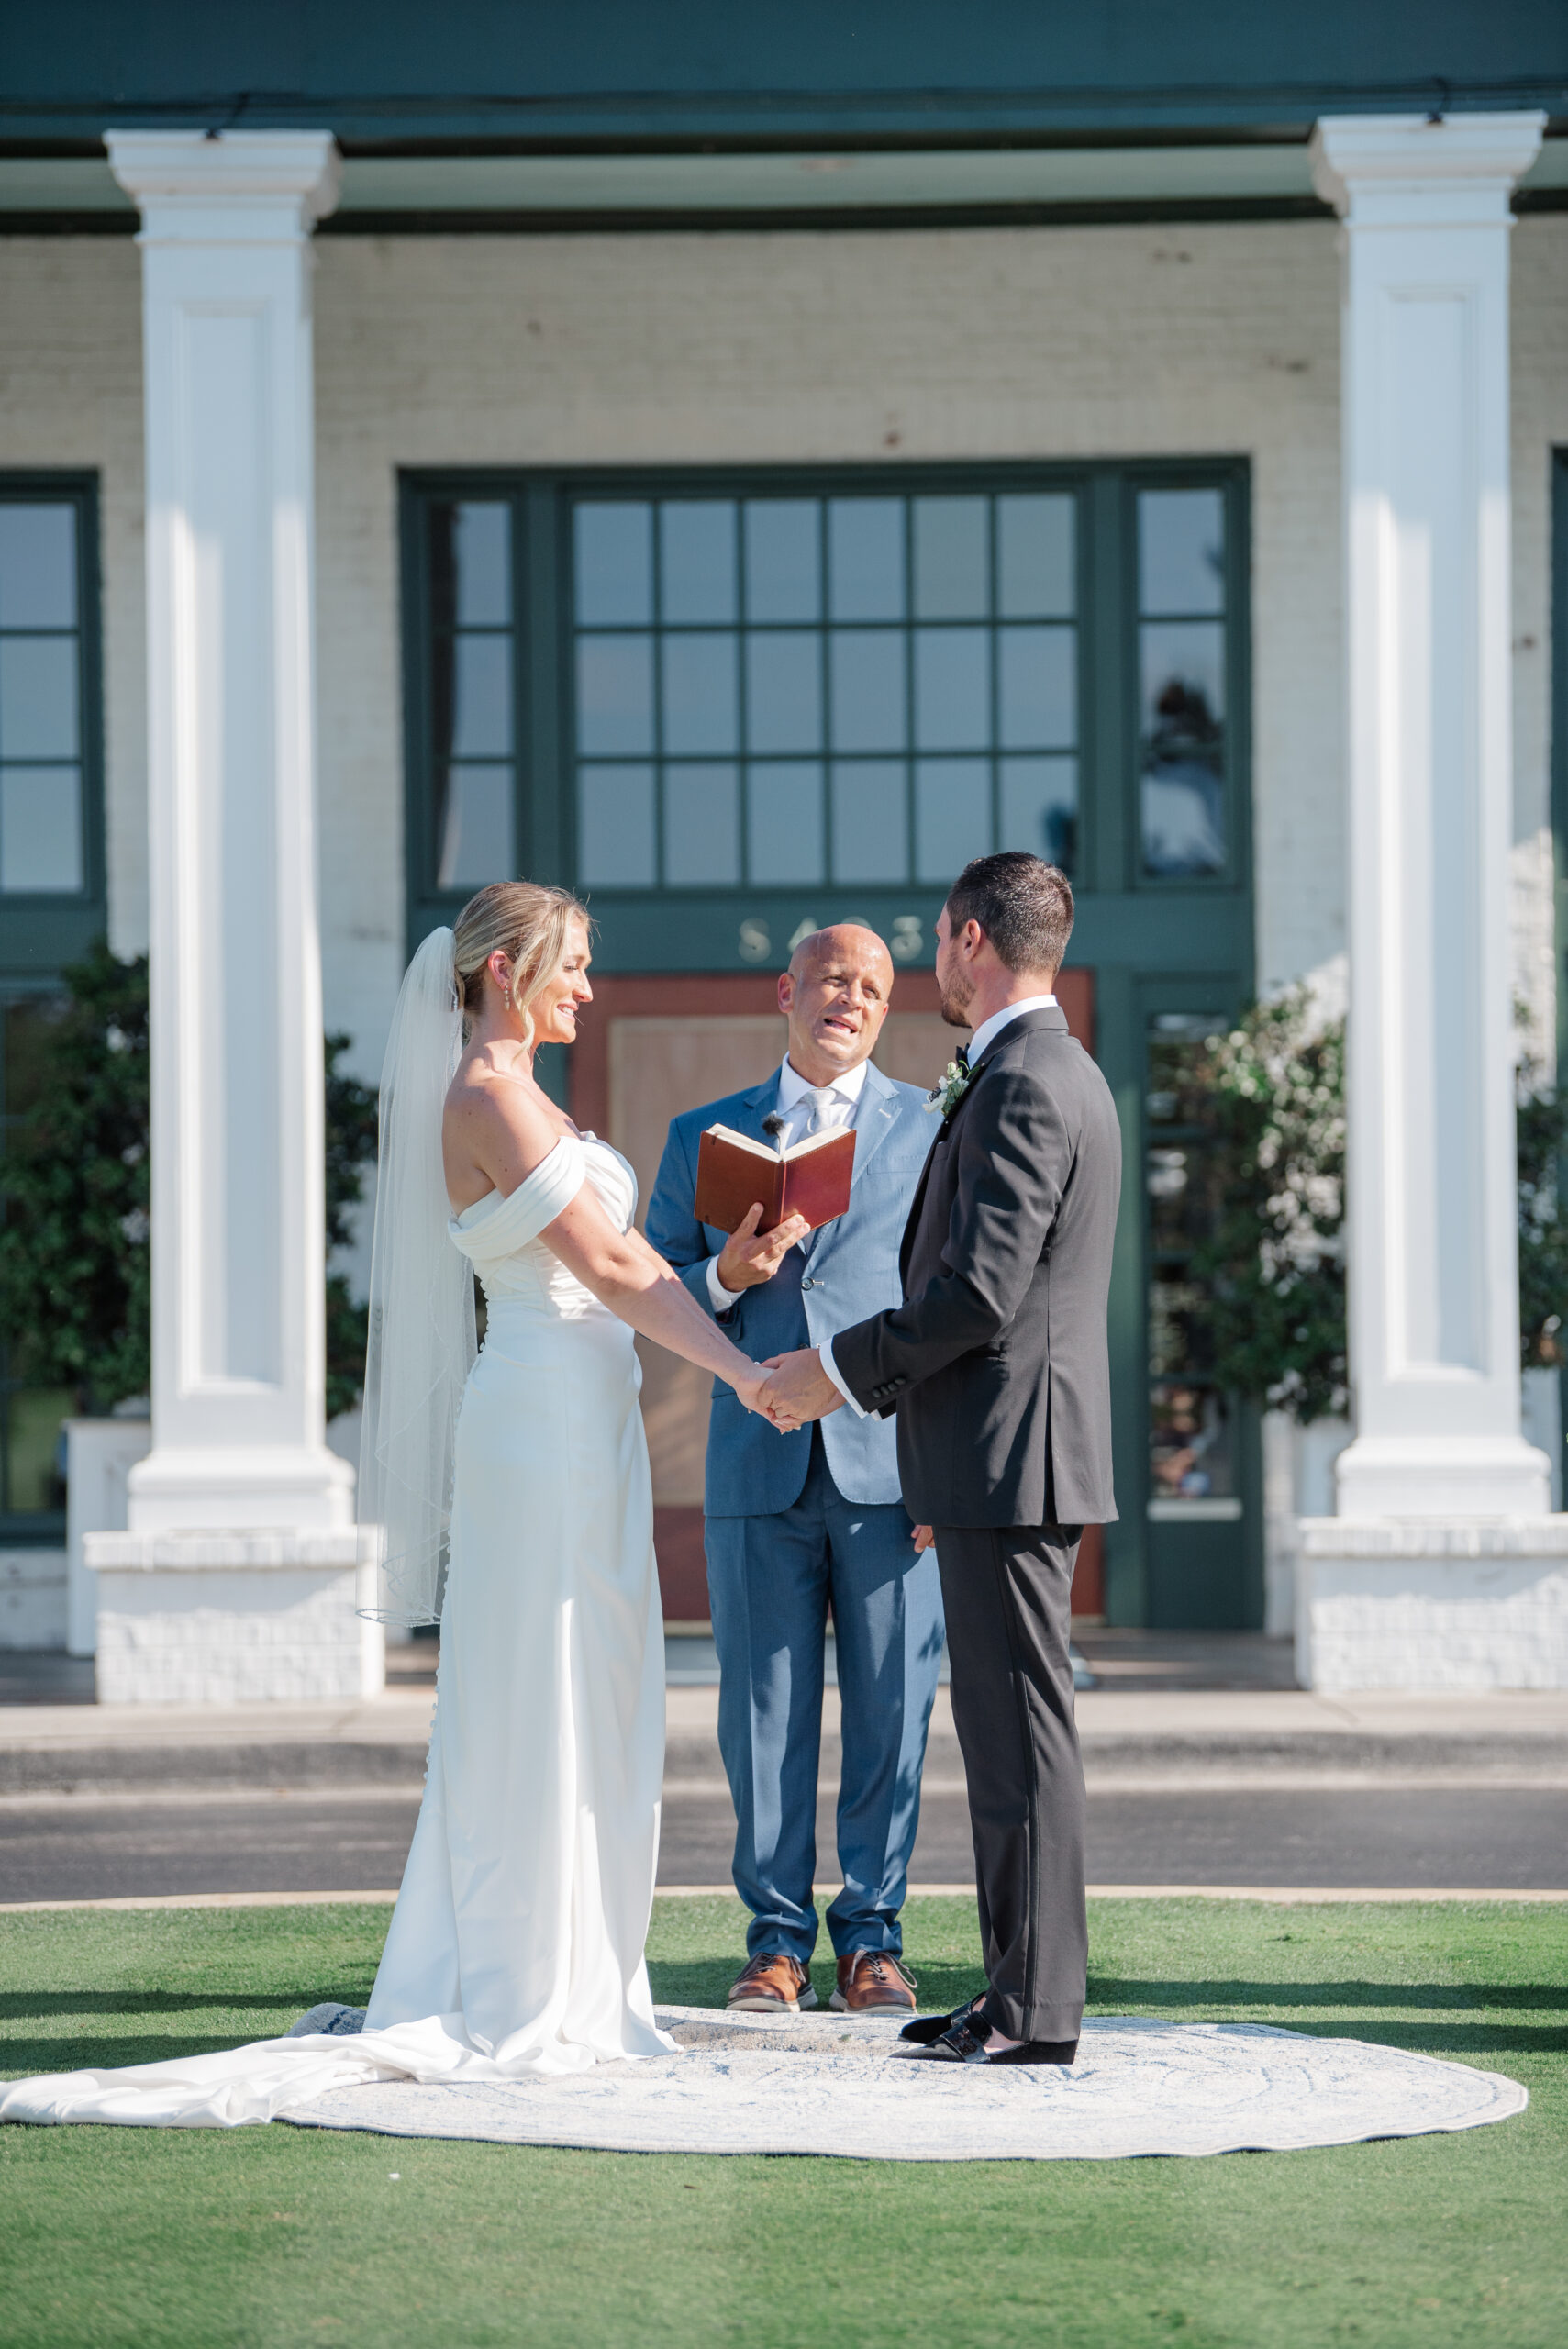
(984, 1037)
(805, 1108)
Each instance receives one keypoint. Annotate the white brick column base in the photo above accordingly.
(188, 1617)
(1452, 1603)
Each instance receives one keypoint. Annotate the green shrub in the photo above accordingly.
(352, 1134)
(76, 1292)
(1543, 1228)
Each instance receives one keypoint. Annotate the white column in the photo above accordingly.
(238, 1362)
(1431, 1209)
(1444, 1568)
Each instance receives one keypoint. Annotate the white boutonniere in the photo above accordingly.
(947, 1095)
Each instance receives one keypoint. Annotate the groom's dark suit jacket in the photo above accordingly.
(997, 1361)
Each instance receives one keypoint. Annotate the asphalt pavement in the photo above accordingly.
(70, 1847)
(1205, 1767)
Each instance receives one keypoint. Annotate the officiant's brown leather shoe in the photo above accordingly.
(771, 1983)
(871, 1981)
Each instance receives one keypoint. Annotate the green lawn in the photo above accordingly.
(217, 2240)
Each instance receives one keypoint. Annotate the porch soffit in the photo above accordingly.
(379, 189)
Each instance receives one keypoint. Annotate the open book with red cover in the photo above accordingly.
(811, 1179)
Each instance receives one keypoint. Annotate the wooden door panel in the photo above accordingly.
(648, 1050)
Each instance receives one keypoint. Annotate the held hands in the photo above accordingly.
(799, 1389)
(796, 1389)
(757, 1394)
(745, 1260)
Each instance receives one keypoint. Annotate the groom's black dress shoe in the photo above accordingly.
(965, 2043)
(926, 2029)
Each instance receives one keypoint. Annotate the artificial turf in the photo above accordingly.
(255, 2237)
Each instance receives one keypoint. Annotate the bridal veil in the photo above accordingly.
(422, 1338)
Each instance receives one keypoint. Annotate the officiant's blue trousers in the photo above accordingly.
(770, 1581)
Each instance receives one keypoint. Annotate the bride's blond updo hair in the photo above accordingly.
(528, 921)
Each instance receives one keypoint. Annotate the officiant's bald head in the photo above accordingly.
(835, 996)
(843, 941)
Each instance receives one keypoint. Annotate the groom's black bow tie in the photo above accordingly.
(962, 1056)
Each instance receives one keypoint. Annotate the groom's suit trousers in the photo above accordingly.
(1006, 1593)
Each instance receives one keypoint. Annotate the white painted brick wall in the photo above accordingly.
(1447, 1626)
(258, 1617)
(924, 345)
(32, 1598)
(1449, 1603)
(1539, 295)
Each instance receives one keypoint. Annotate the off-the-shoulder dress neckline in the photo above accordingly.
(492, 1199)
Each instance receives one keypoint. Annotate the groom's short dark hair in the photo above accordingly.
(1023, 905)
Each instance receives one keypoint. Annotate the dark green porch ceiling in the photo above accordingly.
(635, 74)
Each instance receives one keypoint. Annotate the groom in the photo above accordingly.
(813, 1518)
(997, 1366)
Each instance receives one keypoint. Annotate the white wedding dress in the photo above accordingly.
(516, 1947)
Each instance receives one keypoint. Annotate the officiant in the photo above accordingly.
(795, 1524)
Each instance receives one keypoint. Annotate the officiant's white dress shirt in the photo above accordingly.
(798, 1104)
(984, 1037)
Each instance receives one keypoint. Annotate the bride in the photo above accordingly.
(523, 1521)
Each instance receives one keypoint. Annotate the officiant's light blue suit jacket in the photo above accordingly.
(844, 1273)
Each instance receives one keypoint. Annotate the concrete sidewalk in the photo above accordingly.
(1142, 1737)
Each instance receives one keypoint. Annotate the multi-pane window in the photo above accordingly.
(51, 880)
(472, 694)
(857, 689)
(43, 728)
(1192, 1433)
(1181, 652)
(823, 685)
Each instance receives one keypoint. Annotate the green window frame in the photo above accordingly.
(575, 677)
(52, 883)
(52, 887)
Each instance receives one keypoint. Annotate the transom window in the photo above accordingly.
(822, 687)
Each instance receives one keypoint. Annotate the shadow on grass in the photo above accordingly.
(1474, 2021)
(24, 2059)
(1444, 2034)
(706, 1983)
(215, 2020)
(1461, 1998)
(32, 2006)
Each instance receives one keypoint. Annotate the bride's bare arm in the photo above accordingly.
(496, 1134)
(624, 1273)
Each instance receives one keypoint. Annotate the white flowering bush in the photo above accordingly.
(1269, 1277)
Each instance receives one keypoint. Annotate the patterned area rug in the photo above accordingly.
(760, 2084)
